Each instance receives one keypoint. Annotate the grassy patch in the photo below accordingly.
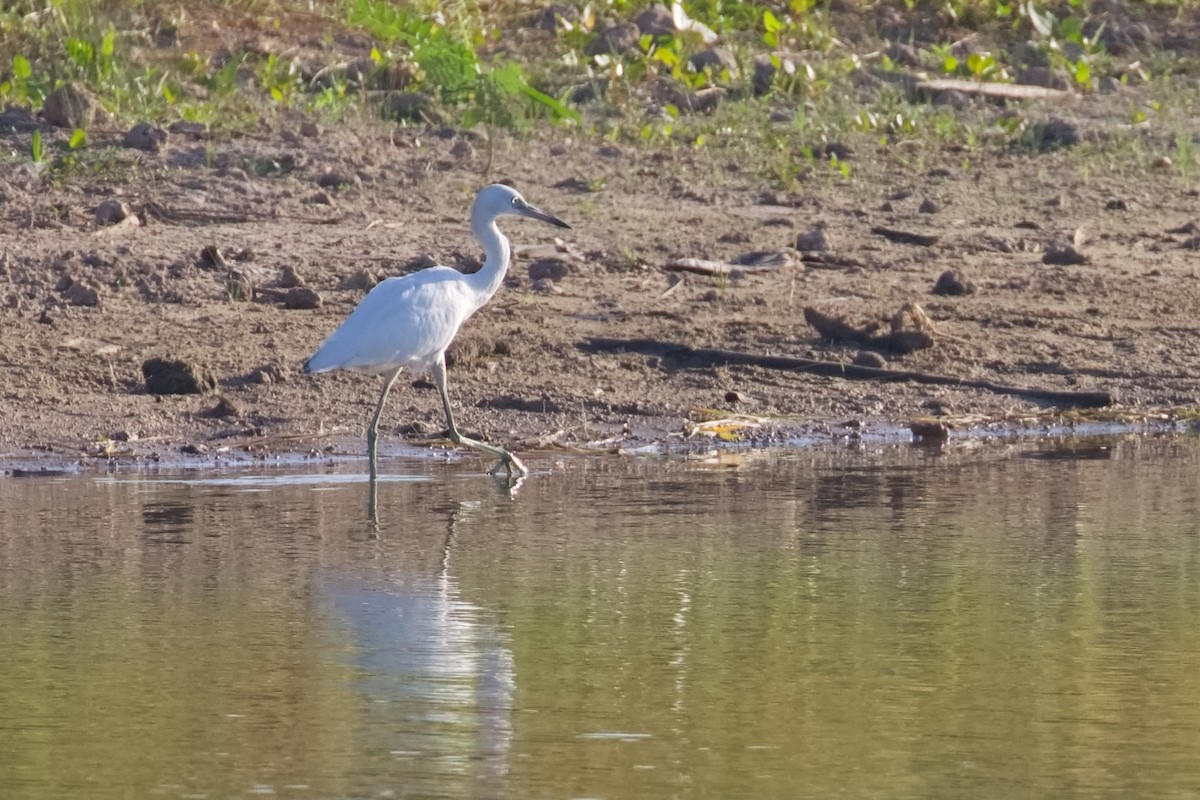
(784, 80)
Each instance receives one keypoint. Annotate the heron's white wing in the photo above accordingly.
(402, 322)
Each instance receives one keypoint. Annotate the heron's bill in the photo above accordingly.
(536, 213)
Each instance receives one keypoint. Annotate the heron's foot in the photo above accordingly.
(510, 464)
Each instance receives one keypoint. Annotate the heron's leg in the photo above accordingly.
(510, 462)
(373, 428)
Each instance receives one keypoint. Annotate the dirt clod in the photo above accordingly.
(1061, 254)
(301, 297)
(225, 407)
(953, 283)
(164, 376)
(111, 211)
(549, 269)
(145, 136)
(69, 106)
(81, 294)
(813, 241)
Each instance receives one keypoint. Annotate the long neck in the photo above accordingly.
(495, 261)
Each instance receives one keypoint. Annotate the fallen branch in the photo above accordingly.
(701, 266)
(905, 237)
(705, 356)
(1007, 91)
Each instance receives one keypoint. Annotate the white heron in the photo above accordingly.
(409, 321)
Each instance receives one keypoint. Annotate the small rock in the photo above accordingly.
(953, 282)
(656, 21)
(556, 17)
(288, 277)
(111, 211)
(1042, 76)
(309, 129)
(588, 92)
(16, 119)
(69, 106)
(813, 241)
(869, 358)
(928, 207)
(836, 150)
(1055, 133)
(145, 136)
(714, 58)
(80, 294)
(1061, 254)
(763, 76)
(225, 408)
(362, 280)
(176, 377)
(336, 180)
(318, 198)
(956, 100)
(929, 429)
(410, 106)
(301, 297)
(550, 269)
(620, 39)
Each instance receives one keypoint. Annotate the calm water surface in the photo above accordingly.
(1001, 621)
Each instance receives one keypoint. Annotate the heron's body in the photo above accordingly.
(402, 322)
(408, 322)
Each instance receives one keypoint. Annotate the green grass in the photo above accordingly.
(231, 63)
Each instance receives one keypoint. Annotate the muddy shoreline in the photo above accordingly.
(85, 305)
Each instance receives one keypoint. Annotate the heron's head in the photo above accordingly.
(500, 200)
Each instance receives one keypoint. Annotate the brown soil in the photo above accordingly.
(71, 377)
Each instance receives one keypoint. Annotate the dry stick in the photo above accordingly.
(712, 356)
